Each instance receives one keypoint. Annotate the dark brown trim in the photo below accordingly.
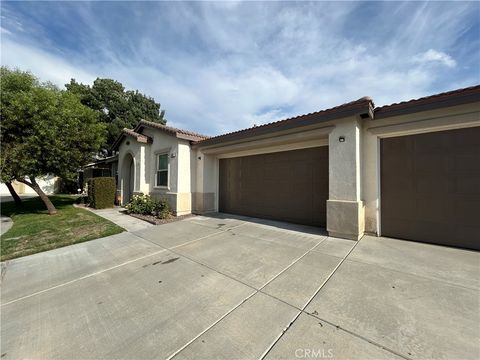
(438, 101)
(363, 106)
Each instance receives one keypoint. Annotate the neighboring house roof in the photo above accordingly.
(363, 106)
(179, 133)
(107, 160)
(446, 99)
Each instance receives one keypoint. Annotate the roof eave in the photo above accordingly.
(362, 108)
(426, 105)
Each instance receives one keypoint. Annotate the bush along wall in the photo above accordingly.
(101, 192)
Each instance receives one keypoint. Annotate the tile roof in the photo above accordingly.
(139, 137)
(449, 98)
(129, 132)
(361, 106)
(189, 135)
(323, 115)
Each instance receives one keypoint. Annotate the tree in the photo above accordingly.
(43, 131)
(14, 194)
(116, 107)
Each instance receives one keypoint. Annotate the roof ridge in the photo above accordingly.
(362, 100)
(429, 97)
(172, 129)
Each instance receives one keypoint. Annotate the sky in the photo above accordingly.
(217, 67)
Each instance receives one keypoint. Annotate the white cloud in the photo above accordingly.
(254, 63)
(5, 31)
(46, 66)
(434, 56)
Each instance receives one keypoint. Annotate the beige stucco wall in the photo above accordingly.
(345, 210)
(178, 191)
(420, 122)
(354, 202)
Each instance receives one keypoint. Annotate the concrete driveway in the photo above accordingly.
(237, 288)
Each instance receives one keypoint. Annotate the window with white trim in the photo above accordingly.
(161, 178)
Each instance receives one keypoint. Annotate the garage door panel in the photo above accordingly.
(432, 184)
(432, 209)
(397, 162)
(289, 186)
(465, 211)
(466, 162)
(466, 185)
(431, 164)
(467, 139)
(435, 196)
(433, 232)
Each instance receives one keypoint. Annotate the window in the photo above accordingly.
(162, 170)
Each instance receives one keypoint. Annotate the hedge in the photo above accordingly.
(101, 192)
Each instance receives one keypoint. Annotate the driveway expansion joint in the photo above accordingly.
(430, 278)
(81, 278)
(255, 290)
(302, 310)
(260, 290)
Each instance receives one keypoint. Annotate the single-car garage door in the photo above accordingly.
(288, 186)
(430, 187)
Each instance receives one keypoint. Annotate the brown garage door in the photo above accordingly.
(430, 187)
(289, 186)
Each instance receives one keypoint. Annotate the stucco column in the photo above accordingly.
(345, 210)
(206, 183)
(143, 186)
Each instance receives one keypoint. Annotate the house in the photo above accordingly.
(409, 170)
(49, 184)
(101, 167)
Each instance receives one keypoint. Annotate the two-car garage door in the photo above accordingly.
(288, 186)
(430, 187)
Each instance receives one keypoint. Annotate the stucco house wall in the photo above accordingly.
(178, 191)
(48, 184)
(351, 131)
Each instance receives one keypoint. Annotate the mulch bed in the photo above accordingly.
(156, 221)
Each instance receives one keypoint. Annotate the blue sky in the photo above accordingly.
(221, 66)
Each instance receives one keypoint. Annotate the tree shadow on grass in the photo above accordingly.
(36, 205)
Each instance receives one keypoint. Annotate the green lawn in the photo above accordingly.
(34, 230)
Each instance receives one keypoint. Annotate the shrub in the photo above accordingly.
(101, 192)
(162, 209)
(81, 200)
(67, 186)
(141, 204)
(144, 205)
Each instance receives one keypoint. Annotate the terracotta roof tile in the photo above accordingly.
(140, 137)
(171, 130)
(437, 98)
(362, 102)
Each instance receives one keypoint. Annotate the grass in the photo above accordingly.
(34, 230)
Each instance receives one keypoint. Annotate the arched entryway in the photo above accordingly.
(128, 178)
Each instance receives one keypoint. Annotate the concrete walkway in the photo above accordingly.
(224, 287)
(5, 224)
(120, 218)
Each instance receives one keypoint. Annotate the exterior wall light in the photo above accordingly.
(341, 139)
(173, 155)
